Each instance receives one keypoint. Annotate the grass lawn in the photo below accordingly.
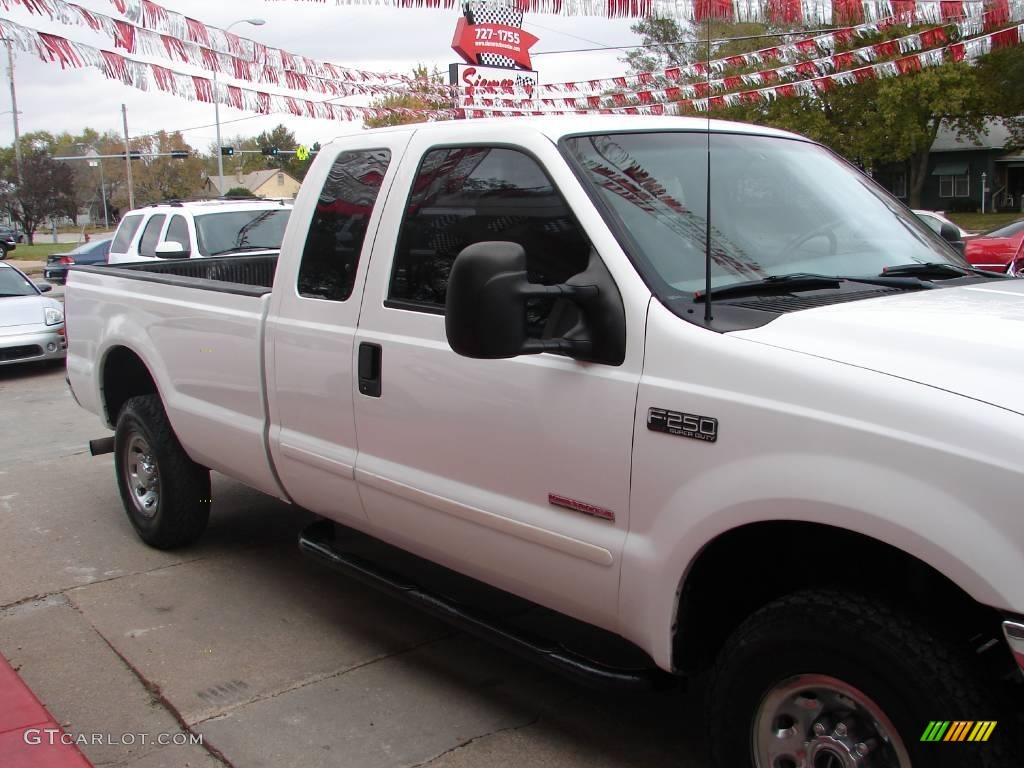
(983, 222)
(40, 251)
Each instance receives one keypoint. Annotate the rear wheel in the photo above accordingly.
(823, 679)
(165, 494)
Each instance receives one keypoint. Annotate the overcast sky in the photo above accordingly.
(377, 39)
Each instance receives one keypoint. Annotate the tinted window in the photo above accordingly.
(474, 194)
(150, 235)
(338, 228)
(125, 233)
(177, 231)
(218, 234)
(1008, 231)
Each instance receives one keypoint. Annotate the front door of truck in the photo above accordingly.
(513, 471)
(312, 321)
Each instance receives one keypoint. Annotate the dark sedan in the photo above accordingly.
(93, 252)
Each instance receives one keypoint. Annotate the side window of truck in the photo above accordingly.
(467, 195)
(151, 235)
(125, 233)
(338, 229)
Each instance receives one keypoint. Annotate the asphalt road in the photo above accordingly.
(271, 659)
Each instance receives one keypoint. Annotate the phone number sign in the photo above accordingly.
(473, 39)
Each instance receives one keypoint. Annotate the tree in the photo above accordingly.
(239, 192)
(46, 189)
(423, 93)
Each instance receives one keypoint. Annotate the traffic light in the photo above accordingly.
(270, 151)
(136, 155)
(179, 154)
(227, 151)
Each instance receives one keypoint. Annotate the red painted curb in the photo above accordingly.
(23, 720)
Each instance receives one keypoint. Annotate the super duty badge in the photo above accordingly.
(682, 424)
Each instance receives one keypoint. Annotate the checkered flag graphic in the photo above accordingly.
(494, 13)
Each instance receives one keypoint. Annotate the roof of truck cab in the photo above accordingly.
(556, 127)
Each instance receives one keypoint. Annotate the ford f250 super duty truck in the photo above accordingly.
(769, 426)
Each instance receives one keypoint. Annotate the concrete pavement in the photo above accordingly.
(268, 658)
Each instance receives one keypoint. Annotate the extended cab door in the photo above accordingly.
(513, 471)
(312, 322)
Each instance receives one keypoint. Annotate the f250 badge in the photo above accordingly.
(682, 424)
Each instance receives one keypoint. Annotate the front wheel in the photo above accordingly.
(826, 679)
(165, 494)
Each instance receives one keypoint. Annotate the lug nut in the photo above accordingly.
(819, 729)
(841, 730)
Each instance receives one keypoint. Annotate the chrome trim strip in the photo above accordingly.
(520, 530)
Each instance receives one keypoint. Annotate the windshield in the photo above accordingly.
(221, 233)
(1008, 230)
(778, 206)
(13, 284)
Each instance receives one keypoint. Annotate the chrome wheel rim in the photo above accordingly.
(816, 721)
(142, 476)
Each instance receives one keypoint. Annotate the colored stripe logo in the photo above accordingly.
(958, 730)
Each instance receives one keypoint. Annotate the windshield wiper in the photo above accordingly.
(937, 270)
(241, 248)
(798, 281)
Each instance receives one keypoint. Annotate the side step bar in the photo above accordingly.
(317, 541)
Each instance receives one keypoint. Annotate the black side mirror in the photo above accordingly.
(44, 287)
(949, 233)
(485, 312)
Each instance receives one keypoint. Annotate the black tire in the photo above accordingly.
(181, 505)
(911, 673)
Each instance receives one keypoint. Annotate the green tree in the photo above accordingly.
(45, 190)
(239, 192)
(421, 94)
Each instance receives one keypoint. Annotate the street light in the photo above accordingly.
(216, 106)
(93, 163)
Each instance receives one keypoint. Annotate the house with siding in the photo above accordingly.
(268, 183)
(959, 166)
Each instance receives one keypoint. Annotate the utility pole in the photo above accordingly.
(14, 108)
(128, 159)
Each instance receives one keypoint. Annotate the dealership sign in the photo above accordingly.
(475, 76)
(472, 40)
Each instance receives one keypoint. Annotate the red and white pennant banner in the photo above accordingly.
(967, 50)
(817, 12)
(917, 41)
(134, 39)
(147, 76)
(999, 13)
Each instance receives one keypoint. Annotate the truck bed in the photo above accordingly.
(198, 326)
(244, 275)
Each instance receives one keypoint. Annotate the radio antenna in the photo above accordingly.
(707, 202)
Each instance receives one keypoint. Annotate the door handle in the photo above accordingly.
(369, 369)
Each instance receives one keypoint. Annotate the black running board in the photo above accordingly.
(317, 541)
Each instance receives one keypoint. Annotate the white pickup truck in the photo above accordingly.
(781, 440)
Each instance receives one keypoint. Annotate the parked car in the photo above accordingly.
(191, 229)
(31, 325)
(13, 232)
(935, 220)
(773, 441)
(999, 250)
(93, 252)
(8, 241)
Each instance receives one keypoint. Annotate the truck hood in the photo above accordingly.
(967, 340)
(21, 310)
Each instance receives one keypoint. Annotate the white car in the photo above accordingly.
(935, 220)
(31, 325)
(190, 229)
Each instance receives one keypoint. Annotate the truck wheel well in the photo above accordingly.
(748, 567)
(124, 376)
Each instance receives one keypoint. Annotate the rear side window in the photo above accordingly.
(151, 235)
(177, 231)
(125, 233)
(338, 229)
